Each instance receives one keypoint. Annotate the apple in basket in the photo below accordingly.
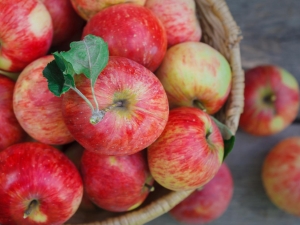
(208, 203)
(25, 33)
(271, 100)
(11, 131)
(118, 111)
(36, 108)
(280, 175)
(189, 152)
(39, 185)
(179, 19)
(88, 8)
(131, 31)
(116, 183)
(195, 74)
(66, 22)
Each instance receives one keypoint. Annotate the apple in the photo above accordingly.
(74, 152)
(208, 203)
(189, 152)
(179, 19)
(280, 175)
(131, 126)
(38, 110)
(66, 22)
(195, 74)
(116, 183)
(11, 131)
(271, 100)
(88, 8)
(25, 33)
(39, 185)
(131, 31)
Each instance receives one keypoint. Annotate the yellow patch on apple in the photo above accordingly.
(277, 123)
(288, 79)
(112, 160)
(37, 216)
(5, 63)
(39, 20)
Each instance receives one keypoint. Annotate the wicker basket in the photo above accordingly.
(221, 32)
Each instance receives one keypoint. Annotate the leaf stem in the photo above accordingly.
(94, 96)
(84, 98)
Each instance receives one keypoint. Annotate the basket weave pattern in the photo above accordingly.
(220, 31)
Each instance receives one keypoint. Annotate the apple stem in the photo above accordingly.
(200, 188)
(150, 187)
(273, 98)
(270, 98)
(97, 115)
(31, 207)
(199, 105)
(11, 75)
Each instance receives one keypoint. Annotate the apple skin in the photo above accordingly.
(280, 175)
(38, 110)
(209, 203)
(35, 171)
(188, 153)
(88, 8)
(11, 131)
(116, 183)
(131, 31)
(194, 71)
(25, 33)
(66, 22)
(179, 19)
(125, 129)
(263, 116)
(74, 152)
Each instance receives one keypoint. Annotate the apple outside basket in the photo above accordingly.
(220, 31)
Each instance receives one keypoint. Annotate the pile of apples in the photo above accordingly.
(272, 103)
(146, 121)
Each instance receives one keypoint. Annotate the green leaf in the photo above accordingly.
(89, 56)
(56, 79)
(228, 137)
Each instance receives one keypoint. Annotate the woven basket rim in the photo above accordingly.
(233, 110)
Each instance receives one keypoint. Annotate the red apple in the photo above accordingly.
(209, 203)
(74, 152)
(36, 108)
(195, 74)
(179, 19)
(189, 152)
(39, 185)
(280, 175)
(11, 131)
(130, 127)
(271, 100)
(116, 183)
(25, 33)
(88, 8)
(131, 31)
(66, 22)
